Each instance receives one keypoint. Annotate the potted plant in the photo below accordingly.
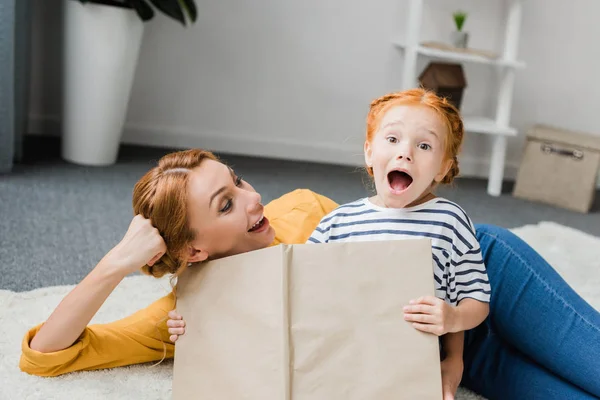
(460, 38)
(102, 44)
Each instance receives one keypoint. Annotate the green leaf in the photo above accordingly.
(459, 19)
(172, 8)
(190, 8)
(145, 12)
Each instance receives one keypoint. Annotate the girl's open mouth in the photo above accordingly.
(260, 226)
(399, 181)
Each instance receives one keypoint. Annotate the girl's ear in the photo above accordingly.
(368, 154)
(196, 255)
(446, 165)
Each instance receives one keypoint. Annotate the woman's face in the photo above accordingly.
(225, 212)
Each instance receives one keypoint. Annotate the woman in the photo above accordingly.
(540, 340)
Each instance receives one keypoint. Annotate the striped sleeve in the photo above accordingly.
(468, 275)
(321, 232)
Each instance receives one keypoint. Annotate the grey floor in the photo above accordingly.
(57, 220)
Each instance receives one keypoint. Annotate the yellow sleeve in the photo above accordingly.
(295, 215)
(139, 338)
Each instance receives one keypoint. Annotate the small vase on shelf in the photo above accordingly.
(460, 38)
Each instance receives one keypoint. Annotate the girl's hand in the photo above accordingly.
(176, 325)
(452, 370)
(141, 245)
(432, 315)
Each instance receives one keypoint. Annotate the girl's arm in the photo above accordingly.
(141, 245)
(433, 315)
(469, 313)
(452, 365)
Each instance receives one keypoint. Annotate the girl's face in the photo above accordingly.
(225, 212)
(407, 155)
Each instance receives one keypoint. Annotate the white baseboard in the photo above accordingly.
(182, 138)
(328, 153)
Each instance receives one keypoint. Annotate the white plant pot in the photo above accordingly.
(102, 44)
(460, 39)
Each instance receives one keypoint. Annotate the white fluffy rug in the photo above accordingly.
(574, 254)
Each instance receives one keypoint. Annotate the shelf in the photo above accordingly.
(462, 57)
(504, 62)
(487, 126)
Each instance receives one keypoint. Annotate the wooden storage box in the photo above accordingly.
(559, 167)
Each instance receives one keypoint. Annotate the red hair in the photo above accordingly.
(422, 97)
(161, 196)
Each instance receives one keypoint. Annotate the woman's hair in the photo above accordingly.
(161, 196)
(448, 112)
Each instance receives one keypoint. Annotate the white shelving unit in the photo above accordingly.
(498, 127)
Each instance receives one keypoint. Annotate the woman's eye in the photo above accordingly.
(424, 146)
(392, 139)
(227, 206)
(238, 181)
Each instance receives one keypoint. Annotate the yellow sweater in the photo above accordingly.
(143, 336)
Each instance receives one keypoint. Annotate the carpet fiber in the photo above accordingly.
(573, 253)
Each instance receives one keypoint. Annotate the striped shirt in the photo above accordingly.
(458, 266)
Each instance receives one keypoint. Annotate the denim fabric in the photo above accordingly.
(541, 339)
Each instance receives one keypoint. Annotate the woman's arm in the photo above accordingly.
(140, 337)
(141, 245)
(76, 310)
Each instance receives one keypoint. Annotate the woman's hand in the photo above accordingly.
(141, 245)
(452, 370)
(432, 315)
(176, 325)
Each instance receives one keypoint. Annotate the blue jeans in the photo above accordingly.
(541, 340)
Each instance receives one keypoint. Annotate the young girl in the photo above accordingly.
(411, 146)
